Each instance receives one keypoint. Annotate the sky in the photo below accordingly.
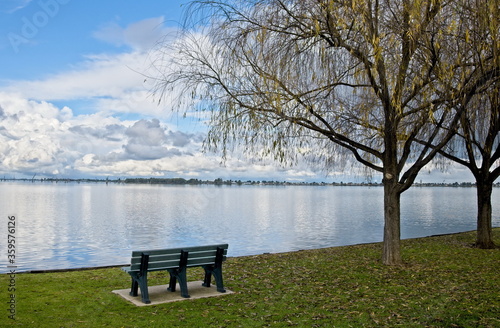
(74, 102)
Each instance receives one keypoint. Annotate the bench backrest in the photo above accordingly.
(162, 259)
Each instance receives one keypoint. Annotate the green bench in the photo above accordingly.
(176, 261)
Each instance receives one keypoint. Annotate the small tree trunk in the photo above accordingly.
(392, 225)
(484, 237)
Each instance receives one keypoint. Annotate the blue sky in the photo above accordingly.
(73, 102)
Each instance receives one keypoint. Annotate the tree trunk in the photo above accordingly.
(392, 224)
(484, 237)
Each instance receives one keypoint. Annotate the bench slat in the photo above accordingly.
(158, 258)
(153, 252)
(170, 257)
(163, 265)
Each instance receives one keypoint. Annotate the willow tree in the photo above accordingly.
(478, 150)
(476, 146)
(359, 78)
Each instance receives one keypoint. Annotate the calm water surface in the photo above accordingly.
(70, 225)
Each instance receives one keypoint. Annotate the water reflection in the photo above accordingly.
(79, 225)
(428, 211)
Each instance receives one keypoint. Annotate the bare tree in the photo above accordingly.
(368, 78)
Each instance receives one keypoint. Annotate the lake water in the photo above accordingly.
(72, 225)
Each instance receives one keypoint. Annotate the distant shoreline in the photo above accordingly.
(220, 182)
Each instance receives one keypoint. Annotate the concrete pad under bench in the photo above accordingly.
(160, 294)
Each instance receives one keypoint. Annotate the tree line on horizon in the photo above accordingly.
(220, 181)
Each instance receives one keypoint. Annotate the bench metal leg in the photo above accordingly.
(208, 276)
(172, 283)
(180, 275)
(134, 288)
(183, 283)
(218, 279)
(140, 281)
(143, 284)
(216, 271)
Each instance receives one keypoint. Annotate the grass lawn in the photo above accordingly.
(444, 283)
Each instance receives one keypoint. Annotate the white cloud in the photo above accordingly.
(114, 84)
(98, 76)
(148, 140)
(38, 137)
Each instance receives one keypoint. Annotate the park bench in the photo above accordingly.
(176, 261)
